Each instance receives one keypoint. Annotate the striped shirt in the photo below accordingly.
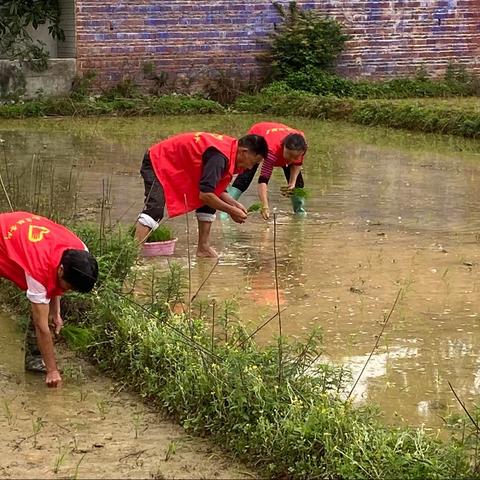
(267, 167)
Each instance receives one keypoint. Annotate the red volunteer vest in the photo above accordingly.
(33, 245)
(177, 163)
(274, 133)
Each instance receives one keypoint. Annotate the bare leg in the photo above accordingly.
(204, 249)
(141, 232)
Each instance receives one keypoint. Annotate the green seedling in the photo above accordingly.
(60, 458)
(75, 475)
(103, 407)
(78, 338)
(37, 426)
(172, 448)
(295, 192)
(8, 413)
(254, 207)
(137, 418)
(160, 234)
(301, 192)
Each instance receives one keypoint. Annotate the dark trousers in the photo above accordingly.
(243, 181)
(154, 205)
(30, 343)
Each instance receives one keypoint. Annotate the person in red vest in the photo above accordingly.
(45, 260)
(286, 149)
(191, 171)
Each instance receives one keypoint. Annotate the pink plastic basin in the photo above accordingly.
(152, 249)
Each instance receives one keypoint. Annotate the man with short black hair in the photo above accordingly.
(286, 149)
(191, 171)
(44, 259)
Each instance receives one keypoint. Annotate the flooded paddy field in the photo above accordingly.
(388, 212)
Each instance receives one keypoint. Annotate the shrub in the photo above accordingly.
(323, 83)
(304, 40)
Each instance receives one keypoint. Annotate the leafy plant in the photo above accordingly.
(15, 18)
(163, 233)
(301, 192)
(304, 40)
(254, 207)
(80, 105)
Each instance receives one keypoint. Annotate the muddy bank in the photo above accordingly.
(91, 427)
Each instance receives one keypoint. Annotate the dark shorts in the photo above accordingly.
(154, 205)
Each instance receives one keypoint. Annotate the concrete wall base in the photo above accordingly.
(18, 81)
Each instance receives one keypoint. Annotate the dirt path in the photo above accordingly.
(90, 428)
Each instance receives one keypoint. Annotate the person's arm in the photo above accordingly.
(265, 174)
(231, 201)
(214, 166)
(54, 314)
(40, 313)
(214, 201)
(294, 173)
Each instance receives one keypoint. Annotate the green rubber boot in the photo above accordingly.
(235, 193)
(298, 204)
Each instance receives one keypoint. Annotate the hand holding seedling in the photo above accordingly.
(238, 215)
(258, 207)
(265, 211)
(287, 191)
(240, 206)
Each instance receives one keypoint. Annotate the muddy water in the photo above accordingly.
(90, 428)
(389, 212)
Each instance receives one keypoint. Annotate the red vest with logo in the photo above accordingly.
(177, 163)
(33, 245)
(274, 133)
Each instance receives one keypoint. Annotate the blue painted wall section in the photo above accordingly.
(193, 38)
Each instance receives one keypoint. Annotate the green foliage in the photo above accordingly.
(161, 234)
(115, 251)
(77, 337)
(301, 192)
(305, 40)
(124, 89)
(145, 105)
(457, 82)
(225, 86)
(415, 116)
(15, 41)
(279, 99)
(254, 207)
(82, 85)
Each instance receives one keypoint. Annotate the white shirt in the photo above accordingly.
(36, 292)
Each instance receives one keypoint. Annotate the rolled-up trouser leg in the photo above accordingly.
(154, 205)
(205, 213)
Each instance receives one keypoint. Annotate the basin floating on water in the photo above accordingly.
(153, 249)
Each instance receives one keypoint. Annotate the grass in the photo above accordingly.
(92, 106)
(418, 115)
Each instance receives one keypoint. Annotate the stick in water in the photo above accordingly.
(376, 343)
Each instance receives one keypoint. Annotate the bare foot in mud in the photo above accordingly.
(206, 252)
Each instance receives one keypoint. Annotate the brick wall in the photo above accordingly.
(190, 37)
